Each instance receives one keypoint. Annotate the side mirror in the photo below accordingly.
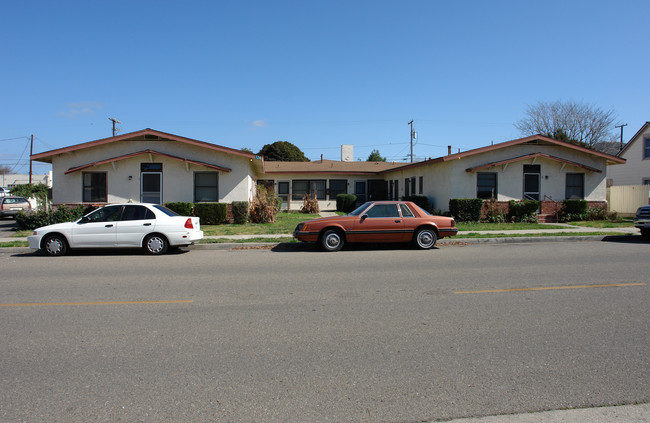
(364, 217)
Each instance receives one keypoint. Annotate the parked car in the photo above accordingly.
(642, 221)
(10, 206)
(134, 225)
(378, 221)
(4, 192)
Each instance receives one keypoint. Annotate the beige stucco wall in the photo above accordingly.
(636, 169)
(510, 178)
(327, 204)
(178, 177)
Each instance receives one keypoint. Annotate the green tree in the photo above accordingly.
(375, 157)
(282, 151)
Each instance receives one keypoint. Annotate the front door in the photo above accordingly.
(531, 186)
(151, 187)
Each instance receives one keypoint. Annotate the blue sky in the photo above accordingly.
(316, 73)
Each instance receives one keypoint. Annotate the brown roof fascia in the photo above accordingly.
(532, 156)
(139, 153)
(48, 154)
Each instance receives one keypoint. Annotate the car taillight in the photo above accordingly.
(188, 223)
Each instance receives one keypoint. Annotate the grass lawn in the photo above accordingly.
(605, 224)
(285, 224)
(466, 227)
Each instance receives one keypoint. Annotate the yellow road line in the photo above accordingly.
(549, 288)
(97, 303)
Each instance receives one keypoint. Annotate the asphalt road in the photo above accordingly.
(365, 335)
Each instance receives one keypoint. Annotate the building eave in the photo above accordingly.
(153, 153)
(529, 157)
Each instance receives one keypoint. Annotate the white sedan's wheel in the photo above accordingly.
(55, 245)
(425, 238)
(156, 244)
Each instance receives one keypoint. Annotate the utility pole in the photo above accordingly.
(621, 126)
(31, 151)
(114, 122)
(412, 136)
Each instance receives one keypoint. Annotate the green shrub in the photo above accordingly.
(597, 213)
(346, 202)
(211, 213)
(466, 209)
(240, 211)
(573, 210)
(420, 200)
(182, 208)
(36, 219)
(264, 207)
(39, 191)
(523, 211)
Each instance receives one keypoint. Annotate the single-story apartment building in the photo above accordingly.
(153, 166)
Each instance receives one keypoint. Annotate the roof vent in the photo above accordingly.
(149, 137)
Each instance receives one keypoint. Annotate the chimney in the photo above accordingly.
(347, 153)
(449, 150)
(321, 158)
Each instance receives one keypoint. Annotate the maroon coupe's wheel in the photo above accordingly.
(425, 238)
(332, 240)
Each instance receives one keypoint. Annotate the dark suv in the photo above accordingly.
(642, 221)
(10, 206)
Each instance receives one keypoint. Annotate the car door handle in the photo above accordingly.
(146, 224)
(398, 221)
(108, 226)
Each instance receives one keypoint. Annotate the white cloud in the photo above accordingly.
(81, 108)
(259, 123)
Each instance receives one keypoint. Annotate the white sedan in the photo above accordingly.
(134, 225)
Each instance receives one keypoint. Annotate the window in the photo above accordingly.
(269, 184)
(486, 185)
(396, 197)
(383, 210)
(390, 189)
(413, 185)
(406, 212)
(137, 213)
(206, 187)
(105, 214)
(302, 187)
(420, 185)
(407, 187)
(646, 148)
(94, 187)
(575, 186)
(283, 191)
(150, 167)
(338, 186)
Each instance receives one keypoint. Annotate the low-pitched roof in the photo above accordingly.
(329, 167)
(533, 139)
(143, 135)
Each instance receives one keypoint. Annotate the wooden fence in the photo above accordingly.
(625, 199)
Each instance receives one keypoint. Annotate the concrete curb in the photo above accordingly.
(443, 242)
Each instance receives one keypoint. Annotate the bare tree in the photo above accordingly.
(579, 123)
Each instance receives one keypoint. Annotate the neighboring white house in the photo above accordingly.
(10, 180)
(636, 170)
(153, 166)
